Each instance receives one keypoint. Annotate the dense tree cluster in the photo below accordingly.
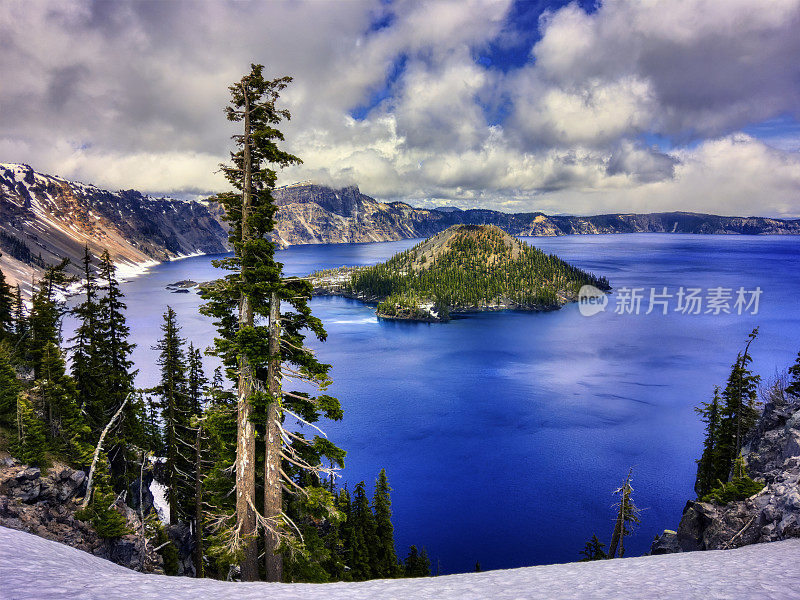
(727, 417)
(479, 266)
(53, 413)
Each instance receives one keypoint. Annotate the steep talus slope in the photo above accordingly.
(44, 219)
(35, 568)
(311, 214)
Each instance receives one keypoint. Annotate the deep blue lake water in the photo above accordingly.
(504, 435)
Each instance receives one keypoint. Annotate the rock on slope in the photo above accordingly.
(772, 454)
(52, 218)
(44, 504)
(313, 214)
(32, 568)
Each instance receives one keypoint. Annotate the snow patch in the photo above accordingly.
(129, 270)
(190, 255)
(160, 503)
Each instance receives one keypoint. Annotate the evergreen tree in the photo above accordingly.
(219, 426)
(593, 550)
(707, 474)
(9, 387)
(259, 344)
(364, 537)
(384, 563)
(627, 516)
(344, 506)
(86, 360)
(46, 312)
(6, 309)
(147, 407)
(196, 380)
(117, 374)
(794, 378)
(417, 563)
(20, 325)
(55, 392)
(176, 414)
(738, 413)
(167, 550)
(30, 445)
(101, 512)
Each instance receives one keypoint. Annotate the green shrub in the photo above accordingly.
(737, 488)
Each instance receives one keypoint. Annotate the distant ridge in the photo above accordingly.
(313, 214)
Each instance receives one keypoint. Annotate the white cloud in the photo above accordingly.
(130, 94)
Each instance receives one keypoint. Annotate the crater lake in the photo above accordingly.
(504, 434)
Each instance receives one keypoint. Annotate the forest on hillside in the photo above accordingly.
(479, 266)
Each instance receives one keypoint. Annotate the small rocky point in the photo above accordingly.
(772, 455)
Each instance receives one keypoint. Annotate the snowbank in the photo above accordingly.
(32, 568)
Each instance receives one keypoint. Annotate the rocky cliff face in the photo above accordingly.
(44, 219)
(312, 214)
(772, 453)
(44, 504)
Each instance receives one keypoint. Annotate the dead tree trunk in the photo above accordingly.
(273, 500)
(97, 451)
(627, 512)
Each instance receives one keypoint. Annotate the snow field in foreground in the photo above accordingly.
(32, 568)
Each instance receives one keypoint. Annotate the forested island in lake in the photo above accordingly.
(466, 268)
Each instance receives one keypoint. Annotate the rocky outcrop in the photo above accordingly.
(772, 454)
(314, 214)
(45, 505)
(45, 219)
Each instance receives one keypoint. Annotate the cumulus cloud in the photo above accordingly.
(130, 95)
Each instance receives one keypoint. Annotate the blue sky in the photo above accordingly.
(582, 107)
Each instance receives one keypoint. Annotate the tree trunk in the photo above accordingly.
(273, 500)
(245, 434)
(172, 480)
(97, 450)
(198, 506)
(615, 537)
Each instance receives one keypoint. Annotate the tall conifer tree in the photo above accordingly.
(385, 561)
(739, 412)
(117, 373)
(6, 308)
(9, 386)
(86, 359)
(627, 516)
(47, 308)
(196, 381)
(257, 355)
(20, 325)
(176, 415)
(707, 474)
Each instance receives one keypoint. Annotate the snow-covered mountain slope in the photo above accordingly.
(32, 568)
(44, 219)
